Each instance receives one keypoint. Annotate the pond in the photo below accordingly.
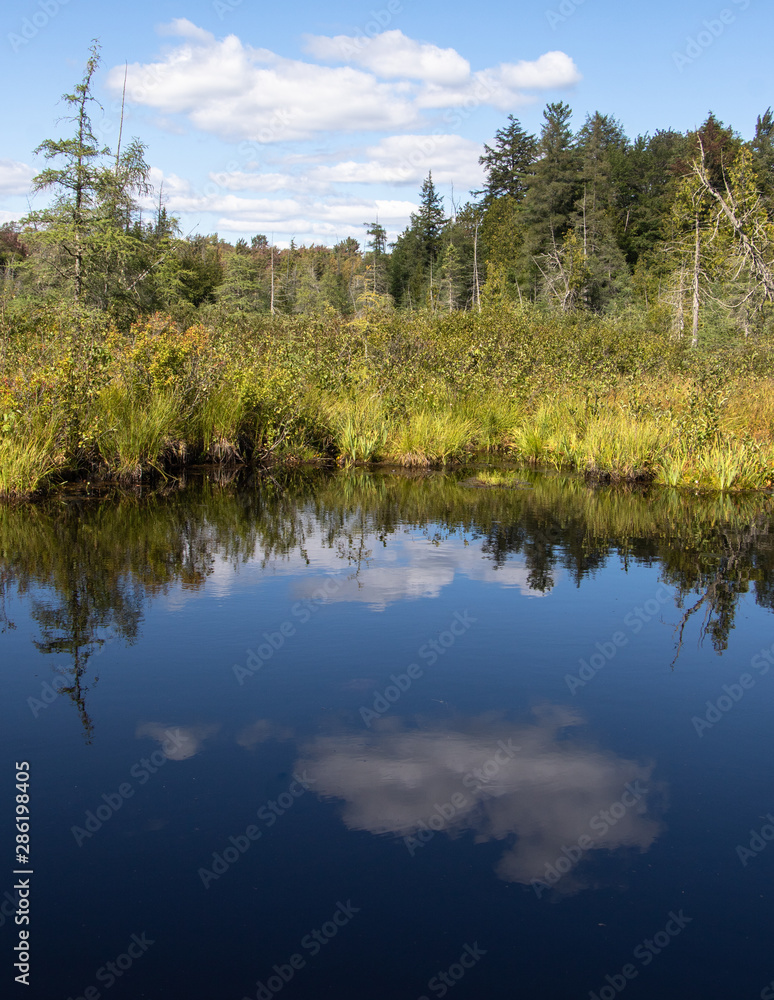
(386, 735)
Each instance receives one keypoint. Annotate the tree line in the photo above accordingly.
(679, 223)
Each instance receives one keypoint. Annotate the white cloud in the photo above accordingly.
(234, 90)
(406, 159)
(15, 177)
(389, 85)
(537, 796)
(239, 92)
(554, 69)
(241, 180)
(392, 55)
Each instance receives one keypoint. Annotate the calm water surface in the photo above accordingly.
(381, 736)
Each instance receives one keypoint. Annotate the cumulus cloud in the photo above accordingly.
(239, 92)
(177, 742)
(406, 159)
(15, 177)
(412, 94)
(531, 786)
(226, 87)
(392, 54)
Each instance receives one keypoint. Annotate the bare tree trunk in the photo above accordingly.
(475, 266)
(750, 247)
(696, 269)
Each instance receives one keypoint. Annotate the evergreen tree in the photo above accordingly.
(429, 222)
(594, 219)
(65, 228)
(376, 262)
(553, 189)
(763, 156)
(644, 176)
(509, 164)
(416, 251)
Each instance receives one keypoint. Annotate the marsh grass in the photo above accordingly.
(620, 448)
(359, 428)
(613, 399)
(218, 424)
(141, 433)
(31, 453)
(427, 437)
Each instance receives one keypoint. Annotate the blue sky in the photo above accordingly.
(308, 120)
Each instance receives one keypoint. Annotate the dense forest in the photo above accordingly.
(603, 305)
(588, 220)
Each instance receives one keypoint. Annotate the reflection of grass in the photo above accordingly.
(498, 477)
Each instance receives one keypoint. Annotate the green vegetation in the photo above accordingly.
(605, 307)
(611, 398)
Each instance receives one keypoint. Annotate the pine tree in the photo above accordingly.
(414, 258)
(553, 190)
(509, 164)
(377, 262)
(763, 156)
(429, 221)
(594, 219)
(66, 228)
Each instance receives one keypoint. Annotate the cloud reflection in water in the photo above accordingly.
(556, 789)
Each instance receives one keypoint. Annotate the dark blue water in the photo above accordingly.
(381, 736)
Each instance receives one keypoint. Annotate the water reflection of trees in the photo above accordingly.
(89, 568)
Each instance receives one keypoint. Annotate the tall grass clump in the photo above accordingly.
(732, 464)
(358, 428)
(31, 452)
(216, 425)
(620, 447)
(428, 437)
(140, 433)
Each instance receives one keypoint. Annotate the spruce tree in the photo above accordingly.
(509, 164)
